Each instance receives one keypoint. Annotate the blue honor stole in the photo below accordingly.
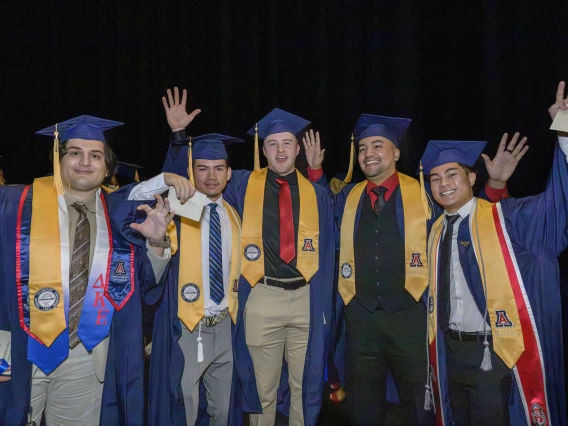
(110, 285)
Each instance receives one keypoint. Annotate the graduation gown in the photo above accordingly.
(123, 393)
(245, 394)
(538, 231)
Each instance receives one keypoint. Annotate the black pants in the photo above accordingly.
(377, 342)
(477, 397)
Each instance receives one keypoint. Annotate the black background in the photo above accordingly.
(459, 69)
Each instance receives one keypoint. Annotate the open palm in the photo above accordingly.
(176, 114)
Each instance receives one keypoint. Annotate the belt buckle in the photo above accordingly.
(210, 321)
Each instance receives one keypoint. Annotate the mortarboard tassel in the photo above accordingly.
(256, 152)
(349, 175)
(114, 180)
(190, 163)
(57, 182)
(425, 202)
(136, 177)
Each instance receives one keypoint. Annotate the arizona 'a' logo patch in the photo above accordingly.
(308, 245)
(502, 319)
(416, 262)
(120, 270)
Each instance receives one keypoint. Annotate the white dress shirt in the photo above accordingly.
(464, 314)
(146, 191)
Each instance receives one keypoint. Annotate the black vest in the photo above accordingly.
(379, 259)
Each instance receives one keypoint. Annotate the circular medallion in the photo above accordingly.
(538, 416)
(252, 252)
(430, 304)
(346, 270)
(190, 293)
(46, 299)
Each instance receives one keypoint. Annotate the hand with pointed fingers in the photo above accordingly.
(177, 116)
(561, 102)
(314, 153)
(157, 219)
(506, 160)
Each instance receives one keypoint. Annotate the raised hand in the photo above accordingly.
(157, 219)
(184, 188)
(505, 161)
(314, 153)
(561, 102)
(177, 116)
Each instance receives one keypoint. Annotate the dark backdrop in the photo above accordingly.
(459, 69)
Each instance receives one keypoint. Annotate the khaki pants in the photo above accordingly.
(71, 394)
(277, 325)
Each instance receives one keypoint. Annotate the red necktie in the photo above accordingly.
(287, 249)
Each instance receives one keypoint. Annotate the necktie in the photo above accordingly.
(445, 264)
(79, 273)
(216, 289)
(287, 236)
(380, 203)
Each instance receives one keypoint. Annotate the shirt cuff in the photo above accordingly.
(147, 189)
(158, 263)
(495, 195)
(563, 142)
(315, 174)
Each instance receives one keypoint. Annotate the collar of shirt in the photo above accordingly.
(219, 203)
(390, 184)
(291, 178)
(90, 203)
(465, 210)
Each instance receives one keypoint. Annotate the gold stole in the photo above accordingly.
(190, 279)
(45, 261)
(508, 342)
(307, 252)
(414, 239)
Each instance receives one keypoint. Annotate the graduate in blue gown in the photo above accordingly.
(507, 252)
(130, 274)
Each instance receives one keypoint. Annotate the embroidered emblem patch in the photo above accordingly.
(190, 293)
(252, 252)
(430, 304)
(119, 273)
(308, 245)
(465, 243)
(236, 286)
(416, 262)
(538, 416)
(119, 269)
(346, 270)
(502, 319)
(46, 299)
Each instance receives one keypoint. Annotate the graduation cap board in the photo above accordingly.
(82, 127)
(276, 121)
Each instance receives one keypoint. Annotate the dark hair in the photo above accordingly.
(110, 159)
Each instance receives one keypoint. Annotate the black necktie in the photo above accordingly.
(380, 203)
(445, 264)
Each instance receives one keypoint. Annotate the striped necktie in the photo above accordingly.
(216, 289)
(79, 273)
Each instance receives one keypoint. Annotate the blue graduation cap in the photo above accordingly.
(392, 128)
(127, 170)
(276, 121)
(82, 127)
(443, 152)
(205, 147)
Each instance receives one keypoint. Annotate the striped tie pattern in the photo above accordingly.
(79, 273)
(217, 292)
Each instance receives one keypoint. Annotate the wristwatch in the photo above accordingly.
(165, 243)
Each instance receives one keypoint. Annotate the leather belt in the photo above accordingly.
(466, 336)
(294, 284)
(213, 320)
